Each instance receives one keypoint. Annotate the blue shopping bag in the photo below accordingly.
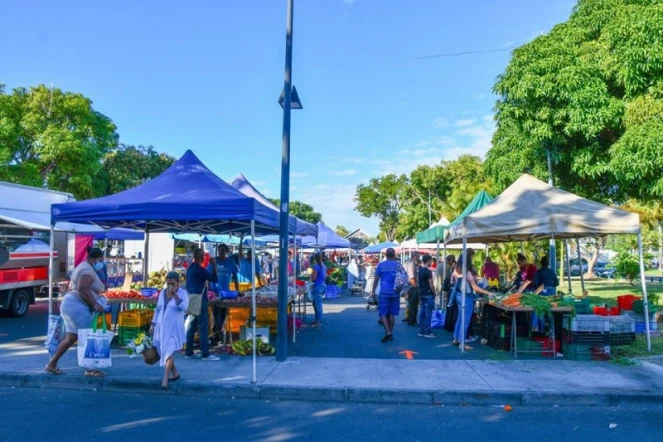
(94, 350)
(437, 318)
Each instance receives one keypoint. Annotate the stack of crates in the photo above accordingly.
(133, 322)
(240, 316)
(622, 330)
(640, 321)
(586, 337)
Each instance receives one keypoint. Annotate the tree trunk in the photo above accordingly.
(592, 261)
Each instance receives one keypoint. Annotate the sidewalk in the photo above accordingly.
(357, 380)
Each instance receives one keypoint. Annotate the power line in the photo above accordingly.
(422, 57)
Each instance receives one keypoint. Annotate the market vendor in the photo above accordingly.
(525, 277)
(245, 269)
(226, 270)
(545, 280)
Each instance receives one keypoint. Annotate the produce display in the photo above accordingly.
(247, 300)
(245, 348)
(123, 294)
(158, 279)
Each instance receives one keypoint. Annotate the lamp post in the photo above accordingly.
(288, 100)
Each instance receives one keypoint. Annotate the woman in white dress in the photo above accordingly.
(168, 325)
(353, 272)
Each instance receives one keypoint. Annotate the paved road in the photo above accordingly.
(86, 416)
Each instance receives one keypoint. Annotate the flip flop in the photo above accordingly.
(55, 371)
(176, 378)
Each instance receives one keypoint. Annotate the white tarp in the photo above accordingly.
(531, 210)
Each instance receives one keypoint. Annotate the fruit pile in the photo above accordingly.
(157, 279)
(247, 299)
(244, 348)
(123, 294)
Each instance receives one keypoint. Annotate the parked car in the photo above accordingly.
(607, 272)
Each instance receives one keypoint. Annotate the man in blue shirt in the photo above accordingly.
(389, 300)
(196, 279)
(245, 268)
(226, 270)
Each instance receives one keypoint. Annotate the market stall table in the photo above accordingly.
(525, 309)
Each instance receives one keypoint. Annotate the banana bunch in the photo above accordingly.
(244, 348)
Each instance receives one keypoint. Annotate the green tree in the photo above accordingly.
(301, 210)
(591, 93)
(54, 139)
(128, 166)
(383, 198)
(342, 231)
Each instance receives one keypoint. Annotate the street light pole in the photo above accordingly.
(282, 322)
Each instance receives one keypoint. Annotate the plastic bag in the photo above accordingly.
(94, 346)
(55, 334)
(438, 318)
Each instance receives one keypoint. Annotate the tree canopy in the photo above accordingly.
(591, 93)
(300, 210)
(383, 197)
(55, 139)
(342, 231)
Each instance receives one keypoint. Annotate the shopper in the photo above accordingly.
(491, 271)
(412, 295)
(319, 277)
(168, 326)
(449, 296)
(525, 277)
(426, 297)
(246, 267)
(78, 307)
(197, 278)
(226, 270)
(389, 301)
(471, 291)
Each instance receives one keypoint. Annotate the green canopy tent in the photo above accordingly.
(436, 232)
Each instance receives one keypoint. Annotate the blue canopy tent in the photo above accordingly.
(302, 228)
(326, 239)
(378, 248)
(187, 197)
(120, 235)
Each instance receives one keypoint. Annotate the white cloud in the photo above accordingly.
(444, 140)
(348, 172)
(425, 152)
(440, 123)
(465, 123)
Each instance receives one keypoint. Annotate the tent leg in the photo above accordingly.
(294, 284)
(582, 277)
(50, 271)
(146, 259)
(644, 291)
(463, 288)
(552, 253)
(568, 264)
(253, 297)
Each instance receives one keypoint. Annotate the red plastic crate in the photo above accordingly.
(606, 311)
(547, 344)
(625, 302)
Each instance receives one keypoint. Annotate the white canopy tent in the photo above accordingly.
(531, 210)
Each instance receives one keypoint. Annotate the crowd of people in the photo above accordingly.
(422, 288)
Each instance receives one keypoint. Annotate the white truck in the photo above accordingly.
(24, 245)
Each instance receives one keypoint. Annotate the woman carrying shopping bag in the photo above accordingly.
(168, 326)
(79, 306)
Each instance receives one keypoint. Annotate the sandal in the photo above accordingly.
(176, 378)
(387, 337)
(56, 371)
(468, 348)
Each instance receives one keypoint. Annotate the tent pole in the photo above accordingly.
(294, 284)
(253, 295)
(443, 262)
(644, 290)
(50, 271)
(582, 278)
(552, 253)
(146, 260)
(463, 288)
(568, 264)
(561, 263)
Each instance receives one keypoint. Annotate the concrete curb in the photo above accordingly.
(328, 394)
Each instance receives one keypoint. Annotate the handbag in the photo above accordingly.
(438, 318)
(55, 334)
(94, 350)
(196, 303)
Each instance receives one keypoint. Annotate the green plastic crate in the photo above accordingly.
(583, 352)
(126, 334)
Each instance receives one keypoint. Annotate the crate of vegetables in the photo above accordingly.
(135, 318)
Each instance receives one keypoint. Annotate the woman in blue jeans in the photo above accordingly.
(318, 277)
(472, 290)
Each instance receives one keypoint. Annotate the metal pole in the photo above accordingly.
(644, 291)
(146, 261)
(552, 254)
(568, 264)
(294, 285)
(463, 288)
(50, 271)
(582, 278)
(430, 219)
(253, 296)
(282, 324)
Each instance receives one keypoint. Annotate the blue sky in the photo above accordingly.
(206, 76)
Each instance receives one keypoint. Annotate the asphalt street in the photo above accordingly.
(31, 414)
